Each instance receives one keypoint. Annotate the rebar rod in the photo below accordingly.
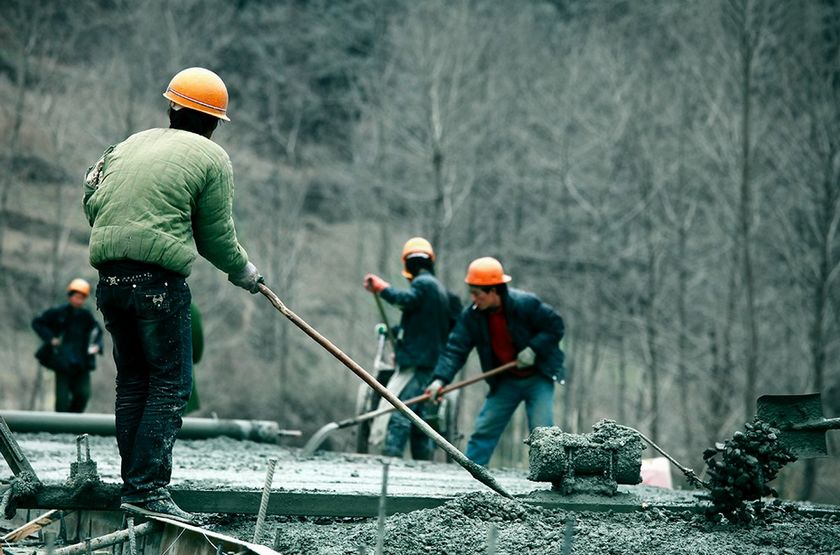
(266, 492)
(380, 525)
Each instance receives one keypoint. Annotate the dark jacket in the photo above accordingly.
(531, 323)
(77, 328)
(425, 320)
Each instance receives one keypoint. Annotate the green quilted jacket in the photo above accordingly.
(159, 197)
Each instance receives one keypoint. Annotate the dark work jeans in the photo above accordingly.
(400, 428)
(150, 326)
(72, 390)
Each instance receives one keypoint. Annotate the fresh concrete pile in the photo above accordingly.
(463, 526)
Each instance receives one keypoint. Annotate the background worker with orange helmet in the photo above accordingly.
(421, 335)
(154, 202)
(504, 324)
(72, 338)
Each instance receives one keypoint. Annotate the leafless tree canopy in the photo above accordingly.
(666, 174)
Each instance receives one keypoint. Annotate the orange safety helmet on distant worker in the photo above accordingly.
(486, 271)
(416, 245)
(201, 90)
(79, 285)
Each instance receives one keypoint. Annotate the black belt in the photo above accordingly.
(130, 272)
(127, 280)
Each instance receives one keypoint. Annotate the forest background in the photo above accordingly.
(665, 173)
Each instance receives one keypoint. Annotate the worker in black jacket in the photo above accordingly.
(72, 338)
(426, 320)
(504, 325)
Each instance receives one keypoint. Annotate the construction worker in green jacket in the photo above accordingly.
(155, 202)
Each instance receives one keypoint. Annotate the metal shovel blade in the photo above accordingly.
(799, 419)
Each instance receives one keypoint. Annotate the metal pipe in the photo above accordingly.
(263, 431)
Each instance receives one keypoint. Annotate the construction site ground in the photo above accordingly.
(327, 504)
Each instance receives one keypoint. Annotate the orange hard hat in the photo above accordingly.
(79, 285)
(201, 90)
(486, 271)
(416, 245)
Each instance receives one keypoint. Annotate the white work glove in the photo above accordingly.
(526, 358)
(248, 278)
(433, 390)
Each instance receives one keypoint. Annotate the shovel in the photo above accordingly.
(799, 419)
(477, 471)
(318, 437)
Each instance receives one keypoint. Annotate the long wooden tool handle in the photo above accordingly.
(477, 471)
(426, 396)
(391, 339)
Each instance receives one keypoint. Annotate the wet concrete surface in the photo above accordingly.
(462, 524)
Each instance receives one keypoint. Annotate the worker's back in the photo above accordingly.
(156, 189)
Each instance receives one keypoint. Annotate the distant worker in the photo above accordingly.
(72, 338)
(504, 325)
(152, 201)
(421, 336)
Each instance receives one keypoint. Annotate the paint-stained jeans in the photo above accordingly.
(150, 326)
(400, 428)
(538, 394)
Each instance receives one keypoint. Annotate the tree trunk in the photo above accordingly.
(621, 389)
(822, 287)
(746, 216)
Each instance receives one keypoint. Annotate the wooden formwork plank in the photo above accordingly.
(32, 526)
(179, 538)
(11, 451)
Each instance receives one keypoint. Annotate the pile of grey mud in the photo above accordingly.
(476, 523)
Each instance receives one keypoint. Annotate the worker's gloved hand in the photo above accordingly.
(248, 278)
(374, 283)
(526, 358)
(433, 390)
(55, 341)
(381, 329)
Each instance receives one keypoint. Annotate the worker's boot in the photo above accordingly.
(165, 508)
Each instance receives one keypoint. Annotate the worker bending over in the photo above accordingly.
(504, 325)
